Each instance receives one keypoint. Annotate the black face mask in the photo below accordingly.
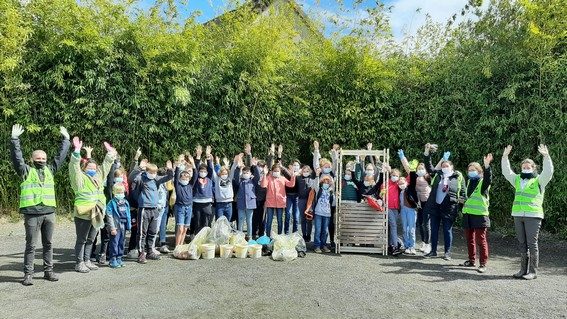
(39, 165)
(527, 175)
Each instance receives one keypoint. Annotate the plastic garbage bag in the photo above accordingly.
(284, 247)
(301, 246)
(191, 250)
(252, 242)
(220, 232)
(237, 238)
(264, 240)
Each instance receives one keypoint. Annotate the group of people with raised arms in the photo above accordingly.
(251, 191)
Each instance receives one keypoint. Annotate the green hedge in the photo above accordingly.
(111, 73)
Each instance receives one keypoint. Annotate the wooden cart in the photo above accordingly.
(360, 228)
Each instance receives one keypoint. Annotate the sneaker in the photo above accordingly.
(120, 262)
(114, 263)
(430, 255)
(82, 268)
(529, 276)
(422, 247)
(102, 259)
(91, 266)
(318, 250)
(447, 256)
(50, 276)
(155, 251)
(164, 249)
(468, 263)
(27, 280)
(412, 251)
(326, 249)
(481, 269)
(427, 249)
(153, 256)
(407, 251)
(301, 254)
(133, 254)
(142, 258)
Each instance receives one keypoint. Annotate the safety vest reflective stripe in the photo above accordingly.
(34, 192)
(477, 204)
(90, 193)
(529, 200)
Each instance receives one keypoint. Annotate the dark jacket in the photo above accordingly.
(204, 191)
(260, 191)
(477, 221)
(145, 190)
(112, 219)
(246, 195)
(451, 205)
(23, 169)
(184, 193)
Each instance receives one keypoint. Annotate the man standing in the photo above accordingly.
(37, 201)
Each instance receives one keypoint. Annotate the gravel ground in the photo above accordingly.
(318, 286)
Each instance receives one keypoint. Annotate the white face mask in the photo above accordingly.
(421, 172)
(403, 186)
(369, 172)
(306, 174)
(348, 177)
(296, 168)
(224, 176)
(447, 171)
(151, 176)
(527, 171)
(367, 183)
(276, 174)
(395, 178)
(184, 182)
(202, 174)
(246, 176)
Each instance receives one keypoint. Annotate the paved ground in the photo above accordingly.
(318, 286)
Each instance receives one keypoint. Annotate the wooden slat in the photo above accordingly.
(365, 213)
(367, 250)
(354, 231)
(363, 227)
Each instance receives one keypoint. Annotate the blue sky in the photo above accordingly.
(404, 18)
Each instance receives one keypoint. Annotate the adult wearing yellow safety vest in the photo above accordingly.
(88, 183)
(37, 201)
(527, 208)
(476, 220)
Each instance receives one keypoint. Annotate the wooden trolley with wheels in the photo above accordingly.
(359, 227)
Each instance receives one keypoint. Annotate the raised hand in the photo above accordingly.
(138, 154)
(488, 159)
(143, 163)
(181, 158)
(77, 144)
(190, 160)
(543, 150)
(109, 149)
(446, 156)
(272, 149)
(401, 154)
(369, 146)
(217, 159)
(226, 163)
(427, 148)
(386, 168)
(248, 149)
(17, 130)
(507, 150)
(169, 165)
(89, 151)
(316, 145)
(280, 150)
(318, 172)
(64, 132)
(198, 151)
(254, 161)
(208, 151)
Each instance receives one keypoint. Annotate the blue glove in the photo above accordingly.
(446, 156)
(401, 154)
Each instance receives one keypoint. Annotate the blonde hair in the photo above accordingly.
(324, 161)
(118, 188)
(151, 168)
(395, 170)
(476, 166)
(531, 162)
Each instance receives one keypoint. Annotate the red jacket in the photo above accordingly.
(275, 195)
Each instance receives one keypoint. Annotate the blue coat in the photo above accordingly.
(113, 215)
(246, 196)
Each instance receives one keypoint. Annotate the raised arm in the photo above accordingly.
(75, 173)
(16, 152)
(316, 155)
(169, 174)
(63, 151)
(506, 168)
(404, 161)
(108, 161)
(547, 170)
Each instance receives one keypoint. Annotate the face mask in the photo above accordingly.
(91, 172)
(119, 180)
(367, 183)
(369, 173)
(447, 171)
(325, 186)
(527, 171)
(327, 170)
(38, 164)
(202, 174)
(184, 182)
(119, 196)
(224, 176)
(181, 167)
(276, 174)
(395, 178)
(348, 177)
(246, 176)
(421, 172)
(296, 168)
(306, 174)
(118, 165)
(403, 186)
(151, 176)
(473, 174)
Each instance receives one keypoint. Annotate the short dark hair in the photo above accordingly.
(246, 169)
(203, 167)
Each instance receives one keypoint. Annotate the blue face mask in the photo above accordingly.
(119, 180)
(473, 174)
(91, 172)
(325, 186)
(120, 196)
(327, 170)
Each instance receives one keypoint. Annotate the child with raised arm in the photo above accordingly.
(203, 190)
(184, 182)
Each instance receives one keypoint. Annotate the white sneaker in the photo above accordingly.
(164, 249)
(427, 249)
(407, 251)
(155, 251)
(413, 252)
(422, 247)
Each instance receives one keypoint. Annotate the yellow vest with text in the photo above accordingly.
(34, 192)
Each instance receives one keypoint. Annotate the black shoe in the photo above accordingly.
(27, 280)
(431, 255)
(50, 276)
(467, 263)
(102, 259)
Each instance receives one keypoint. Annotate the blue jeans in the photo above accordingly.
(183, 214)
(291, 210)
(408, 224)
(245, 214)
(447, 232)
(393, 215)
(163, 225)
(306, 225)
(270, 217)
(321, 227)
(224, 209)
(117, 242)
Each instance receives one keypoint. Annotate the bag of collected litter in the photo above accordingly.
(237, 238)
(301, 247)
(220, 232)
(181, 252)
(284, 248)
(191, 250)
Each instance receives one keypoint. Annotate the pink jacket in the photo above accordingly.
(275, 196)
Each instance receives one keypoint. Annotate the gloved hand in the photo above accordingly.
(401, 154)
(413, 165)
(17, 130)
(446, 156)
(64, 132)
(77, 144)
